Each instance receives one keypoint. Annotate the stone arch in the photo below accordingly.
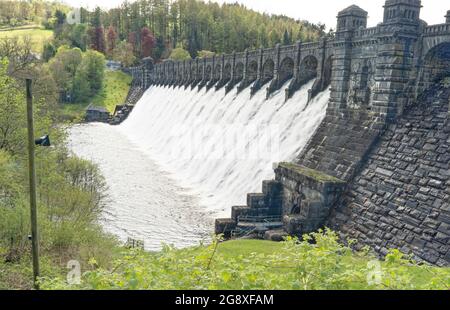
(268, 70)
(217, 72)
(208, 71)
(286, 70)
(308, 68)
(194, 72)
(252, 71)
(436, 64)
(295, 210)
(431, 42)
(239, 71)
(200, 71)
(227, 72)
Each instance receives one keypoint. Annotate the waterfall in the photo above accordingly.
(221, 147)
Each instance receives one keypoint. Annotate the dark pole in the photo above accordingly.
(32, 180)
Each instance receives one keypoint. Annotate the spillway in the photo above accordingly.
(185, 157)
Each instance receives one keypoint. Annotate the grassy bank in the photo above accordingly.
(114, 91)
(37, 34)
(318, 263)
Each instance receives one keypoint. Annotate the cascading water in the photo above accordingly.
(184, 157)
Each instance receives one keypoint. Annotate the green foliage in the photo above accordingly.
(124, 54)
(205, 54)
(114, 91)
(89, 76)
(78, 75)
(179, 54)
(318, 262)
(201, 25)
(70, 191)
(49, 51)
(79, 36)
(17, 13)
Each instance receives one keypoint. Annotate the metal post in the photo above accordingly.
(32, 181)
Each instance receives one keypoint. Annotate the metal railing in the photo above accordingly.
(259, 219)
(242, 232)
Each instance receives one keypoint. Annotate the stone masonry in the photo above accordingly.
(401, 198)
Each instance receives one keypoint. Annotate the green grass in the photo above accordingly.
(115, 90)
(236, 248)
(37, 34)
(117, 85)
(252, 264)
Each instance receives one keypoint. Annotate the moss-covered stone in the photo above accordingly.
(311, 173)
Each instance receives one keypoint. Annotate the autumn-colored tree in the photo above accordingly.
(97, 32)
(111, 41)
(98, 39)
(148, 42)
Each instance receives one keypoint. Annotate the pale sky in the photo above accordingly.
(315, 11)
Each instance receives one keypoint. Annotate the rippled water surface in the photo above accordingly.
(144, 202)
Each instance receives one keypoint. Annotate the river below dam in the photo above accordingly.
(185, 157)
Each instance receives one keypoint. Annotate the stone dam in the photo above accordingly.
(377, 167)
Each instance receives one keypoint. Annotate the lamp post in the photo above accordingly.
(32, 182)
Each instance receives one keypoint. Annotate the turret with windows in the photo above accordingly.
(351, 18)
(402, 11)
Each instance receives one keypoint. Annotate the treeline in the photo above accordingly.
(156, 27)
(23, 12)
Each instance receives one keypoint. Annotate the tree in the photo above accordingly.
(97, 32)
(98, 39)
(49, 51)
(180, 54)
(274, 38)
(12, 118)
(89, 77)
(60, 19)
(147, 42)
(159, 49)
(20, 55)
(64, 67)
(286, 38)
(79, 36)
(111, 41)
(124, 54)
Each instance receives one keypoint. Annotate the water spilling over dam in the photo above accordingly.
(165, 185)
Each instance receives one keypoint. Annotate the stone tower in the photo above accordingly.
(348, 21)
(395, 74)
(351, 18)
(447, 17)
(402, 11)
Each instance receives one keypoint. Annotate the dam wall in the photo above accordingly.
(376, 168)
